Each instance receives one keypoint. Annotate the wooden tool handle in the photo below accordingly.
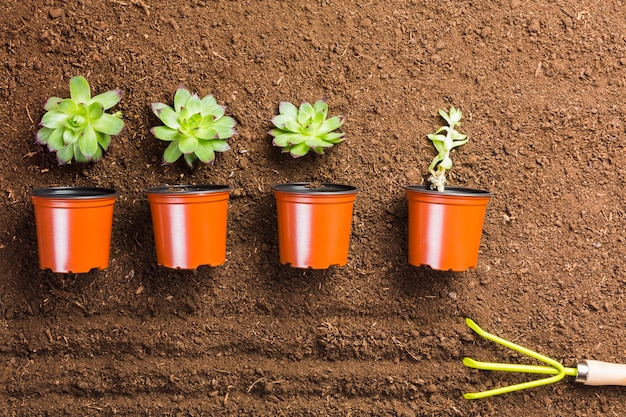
(598, 373)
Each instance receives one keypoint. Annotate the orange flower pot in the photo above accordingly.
(73, 227)
(445, 227)
(314, 224)
(189, 223)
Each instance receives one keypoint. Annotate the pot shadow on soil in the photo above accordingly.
(155, 289)
(287, 289)
(44, 292)
(31, 285)
(421, 286)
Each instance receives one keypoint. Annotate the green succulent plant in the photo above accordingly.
(299, 130)
(196, 128)
(78, 127)
(445, 139)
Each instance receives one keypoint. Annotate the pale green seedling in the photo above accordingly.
(445, 139)
(299, 130)
(78, 127)
(196, 128)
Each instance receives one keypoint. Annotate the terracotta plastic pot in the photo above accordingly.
(445, 227)
(189, 223)
(73, 227)
(314, 224)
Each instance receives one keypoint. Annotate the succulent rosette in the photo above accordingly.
(196, 128)
(78, 127)
(298, 130)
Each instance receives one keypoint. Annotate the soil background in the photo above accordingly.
(541, 85)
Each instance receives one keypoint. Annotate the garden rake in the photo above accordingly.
(588, 372)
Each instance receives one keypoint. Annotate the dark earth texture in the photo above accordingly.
(541, 85)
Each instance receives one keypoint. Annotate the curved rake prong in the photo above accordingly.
(554, 367)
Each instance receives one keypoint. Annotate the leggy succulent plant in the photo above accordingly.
(77, 127)
(444, 143)
(196, 128)
(299, 130)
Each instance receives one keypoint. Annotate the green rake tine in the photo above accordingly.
(559, 370)
(513, 367)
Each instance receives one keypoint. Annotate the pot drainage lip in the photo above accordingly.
(458, 191)
(74, 192)
(188, 189)
(318, 188)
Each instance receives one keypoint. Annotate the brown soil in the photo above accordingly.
(541, 86)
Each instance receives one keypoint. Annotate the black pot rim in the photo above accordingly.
(327, 188)
(186, 189)
(456, 191)
(74, 192)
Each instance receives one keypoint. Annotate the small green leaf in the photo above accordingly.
(104, 140)
(205, 152)
(439, 147)
(287, 109)
(164, 133)
(98, 155)
(446, 163)
(280, 120)
(206, 133)
(456, 135)
(172, 153)
(188, 144)
(70, 136)
(78, 155)
(42, 135)
(108, 124)
(331, 124)
(65, 154)
(156, 108)
(315, 142)
(218, 145)
(108, 99)
(193, 105)
(320, 106)
(209, 101)
(79, 90)
(224, 131)
(298, 138)
(52, 103)
(334, 137)
(55, 141)
(169, 117)
(284, 139)
(455, 116)
(95, 111)
(68, 107)
(459, 143)
(87, 142)
(292, 126)
(319, 118)
(436, 137)
(210, 113)
(190, 159)
(54, 119)
(305, 113)
(180, 98)
(299, 150)
(445, 116)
